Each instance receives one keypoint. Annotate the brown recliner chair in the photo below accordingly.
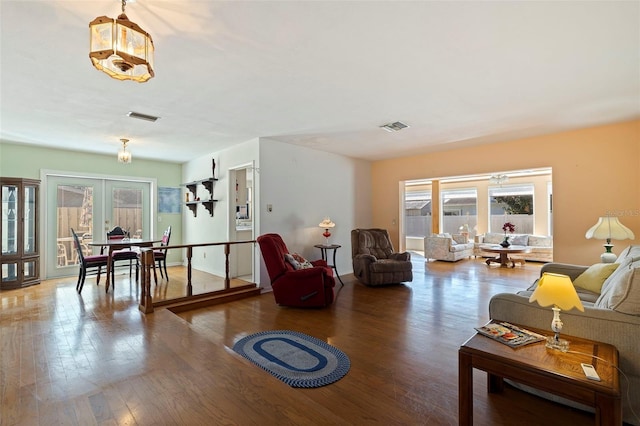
(374, 260)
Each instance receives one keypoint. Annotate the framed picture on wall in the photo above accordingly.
(169, 200)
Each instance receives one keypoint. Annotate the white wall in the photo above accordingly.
(304, 185)
(204, 228)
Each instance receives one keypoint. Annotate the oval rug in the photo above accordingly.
(299, 360)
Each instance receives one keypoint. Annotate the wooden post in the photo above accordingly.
(227, 281)
(146, 263)
(435, 207)
(189, 256)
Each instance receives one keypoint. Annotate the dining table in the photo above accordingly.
(118, 244)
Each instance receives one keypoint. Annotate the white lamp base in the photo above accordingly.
(558, 344)
(608, 257)
(555, 342)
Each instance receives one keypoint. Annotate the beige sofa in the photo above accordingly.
(540, 246)
(613, 317)
(450, 248)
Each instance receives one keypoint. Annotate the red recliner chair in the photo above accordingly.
(311, 287)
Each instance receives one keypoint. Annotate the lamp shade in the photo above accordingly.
(556, 290)
(326, 223)
(609, 228)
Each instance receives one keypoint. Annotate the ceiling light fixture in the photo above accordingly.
(120, 48)
(124, 156)
(394, 127)
(498, 179)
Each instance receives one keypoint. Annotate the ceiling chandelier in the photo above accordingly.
(498, 179)
(120, 48)
(124, 156)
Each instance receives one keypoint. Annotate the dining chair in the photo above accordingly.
(126, 254)
(160, 256)
(87, 263)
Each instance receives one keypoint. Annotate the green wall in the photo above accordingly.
(26, 161)
(17, 160)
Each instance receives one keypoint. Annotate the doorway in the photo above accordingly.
(91, 206)
(242, 221)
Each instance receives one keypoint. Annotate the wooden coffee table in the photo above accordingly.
(549, 370)
(503, 259)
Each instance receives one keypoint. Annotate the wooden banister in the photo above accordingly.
(147, 261)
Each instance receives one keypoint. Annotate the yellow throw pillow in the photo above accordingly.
(595, 275)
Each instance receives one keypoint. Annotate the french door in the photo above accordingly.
(91, 206)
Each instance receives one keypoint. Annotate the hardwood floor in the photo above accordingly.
(95, 359)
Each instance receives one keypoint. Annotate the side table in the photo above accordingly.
(545, 369)
(325, 256)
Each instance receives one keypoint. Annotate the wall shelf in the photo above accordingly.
(194, 201)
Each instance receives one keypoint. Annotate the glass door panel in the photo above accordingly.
(10, 220)
(71, 204)
(128, 208)
(10, 272)
(30, 220)
(30, 269)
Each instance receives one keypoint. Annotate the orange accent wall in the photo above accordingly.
(596, 171)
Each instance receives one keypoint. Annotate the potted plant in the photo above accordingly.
(507, 227)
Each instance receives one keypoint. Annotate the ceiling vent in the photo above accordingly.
(142, 116)
(394, 127)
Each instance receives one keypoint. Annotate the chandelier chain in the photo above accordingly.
(124, 3)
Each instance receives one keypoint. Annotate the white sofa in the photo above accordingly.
(541, 246)
(450, 248)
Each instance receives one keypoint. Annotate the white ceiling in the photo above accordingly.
(322, 74)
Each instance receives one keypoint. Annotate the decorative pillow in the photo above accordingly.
(595, 275)
(519, 240)
(297, 261)
(493, 238)
(621, 292)
(444, 235)
(459, 238)
(539, 241)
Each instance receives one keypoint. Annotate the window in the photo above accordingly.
(459, 210)
(417, 208)
(513, 204)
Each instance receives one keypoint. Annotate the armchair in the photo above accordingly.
(447, 247)
(310, 287)
(374, 260)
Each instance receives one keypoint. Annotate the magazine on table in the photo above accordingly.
(509, 334)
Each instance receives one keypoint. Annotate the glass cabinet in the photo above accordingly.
(20, 257)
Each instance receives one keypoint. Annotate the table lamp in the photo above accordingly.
(326, 224)
(609, 228)
(558, 291)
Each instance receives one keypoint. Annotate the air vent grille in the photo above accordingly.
(394, 127)
(140, 116)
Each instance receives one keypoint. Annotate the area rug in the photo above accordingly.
(299, 360)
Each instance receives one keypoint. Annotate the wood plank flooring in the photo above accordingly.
(94, 359)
